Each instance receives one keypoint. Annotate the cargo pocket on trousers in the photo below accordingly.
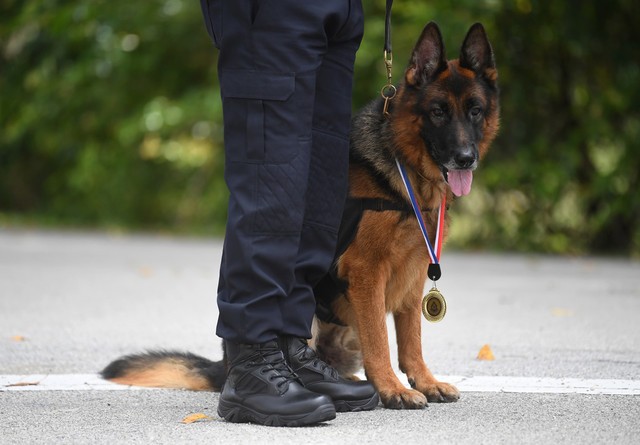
(260, 116)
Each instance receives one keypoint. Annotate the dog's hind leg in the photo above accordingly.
(408, 328)
(338, 347)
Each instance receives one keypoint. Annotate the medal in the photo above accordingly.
(434, 307)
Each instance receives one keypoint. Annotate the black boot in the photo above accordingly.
(317, 376)
(261, 388)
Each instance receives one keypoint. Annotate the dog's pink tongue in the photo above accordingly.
(460, 181)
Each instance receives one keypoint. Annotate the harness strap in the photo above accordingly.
(381, 204)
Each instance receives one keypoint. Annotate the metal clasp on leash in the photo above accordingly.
(388, 91)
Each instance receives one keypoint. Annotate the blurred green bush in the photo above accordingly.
(110, 117)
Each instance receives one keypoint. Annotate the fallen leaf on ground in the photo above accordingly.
(146, 271)
(485, 353)
(194, 417)
(559, 312)
(18, 338)
(24, 384)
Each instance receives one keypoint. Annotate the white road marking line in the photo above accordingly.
(544, 385)
(93, 382)
(59, 382)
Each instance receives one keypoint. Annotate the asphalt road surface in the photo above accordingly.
(565, 334)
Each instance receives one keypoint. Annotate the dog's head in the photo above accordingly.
(450, 108)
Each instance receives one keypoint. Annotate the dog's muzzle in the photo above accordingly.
(457, 172)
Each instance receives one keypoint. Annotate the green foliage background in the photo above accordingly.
(110, 117)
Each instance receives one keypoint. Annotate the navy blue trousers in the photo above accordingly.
(286, 75)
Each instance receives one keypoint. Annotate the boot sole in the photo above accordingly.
(236, 413)
(343, 406)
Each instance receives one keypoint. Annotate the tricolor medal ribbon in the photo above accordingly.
(434, 306)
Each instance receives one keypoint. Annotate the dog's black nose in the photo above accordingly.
(465, 158)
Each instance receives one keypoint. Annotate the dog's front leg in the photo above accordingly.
(408, 328)
(368, 303)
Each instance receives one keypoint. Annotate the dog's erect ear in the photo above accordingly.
(476, 53)
(428, 57)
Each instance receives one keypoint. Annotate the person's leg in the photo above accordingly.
(324, 201)
(267, 67)
(328, 173)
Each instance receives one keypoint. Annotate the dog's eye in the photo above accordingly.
(475, 112)
(437, 112)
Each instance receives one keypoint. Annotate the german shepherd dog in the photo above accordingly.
(441, 122)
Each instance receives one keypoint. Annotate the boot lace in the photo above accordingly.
(310, 355)
(274, 361)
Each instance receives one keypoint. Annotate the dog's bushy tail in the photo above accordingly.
(167, 369)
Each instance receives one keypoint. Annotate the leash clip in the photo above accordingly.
(388, 91)
(388, 61)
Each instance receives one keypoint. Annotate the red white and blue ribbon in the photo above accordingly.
(434, 269)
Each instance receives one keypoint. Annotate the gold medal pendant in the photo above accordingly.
(433, 306)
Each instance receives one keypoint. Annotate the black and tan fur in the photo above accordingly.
(443, 118)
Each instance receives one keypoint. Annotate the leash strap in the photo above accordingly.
(387, 28)
(434, 268)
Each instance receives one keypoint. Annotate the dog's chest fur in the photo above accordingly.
(389, 256)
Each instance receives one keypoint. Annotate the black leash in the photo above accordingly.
(387, 28)
(388, 91)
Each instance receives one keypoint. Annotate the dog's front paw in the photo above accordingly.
(403, 399)
(438, 392)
